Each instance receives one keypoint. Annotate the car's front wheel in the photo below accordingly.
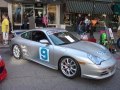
(69, 67)
(17, 52)
(118, 43)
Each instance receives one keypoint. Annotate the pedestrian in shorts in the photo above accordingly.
(5, 28)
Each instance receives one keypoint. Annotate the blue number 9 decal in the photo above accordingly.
(44, 54)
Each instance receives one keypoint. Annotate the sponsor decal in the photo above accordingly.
(102, 52)
(24, 49)
(44, 54)
(69, 38)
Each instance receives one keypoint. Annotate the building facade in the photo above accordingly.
(58, 11)
(34, 9)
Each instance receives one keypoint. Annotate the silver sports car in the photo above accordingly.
(58, 49)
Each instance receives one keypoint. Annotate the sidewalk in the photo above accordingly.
(3, 46)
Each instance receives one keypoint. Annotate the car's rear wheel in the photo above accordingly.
(69, 67)
(17, 52)
(118, 43)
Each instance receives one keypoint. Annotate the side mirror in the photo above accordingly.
(44, 41)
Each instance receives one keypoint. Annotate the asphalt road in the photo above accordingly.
(27, 75)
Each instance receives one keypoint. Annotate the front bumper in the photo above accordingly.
(101, 74)
(105, 70)
(3, 71)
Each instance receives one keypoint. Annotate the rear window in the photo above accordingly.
(17, 33)
(26, 35)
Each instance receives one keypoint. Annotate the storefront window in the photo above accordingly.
(52, 14)
(67, 19)
(28, 10)
(17, 13)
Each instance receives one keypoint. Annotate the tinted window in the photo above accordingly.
(38, 35)
(26, 35)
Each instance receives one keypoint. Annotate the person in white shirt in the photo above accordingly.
(87, 23)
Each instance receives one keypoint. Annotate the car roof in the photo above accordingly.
(40, 29)
(49, 29)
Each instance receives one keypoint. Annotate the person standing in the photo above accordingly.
(25, 21)
(92, 27)
(87, 23)
(106, 20)
(78, 23)
(45, 21)
(79, 28)
(94, 21)
(5, 28)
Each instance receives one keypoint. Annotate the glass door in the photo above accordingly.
(38, 14)
(28, 14)
(28, 10)
(38, 17)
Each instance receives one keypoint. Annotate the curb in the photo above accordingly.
(5, 46)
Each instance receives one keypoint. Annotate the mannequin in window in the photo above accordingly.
(25, 20)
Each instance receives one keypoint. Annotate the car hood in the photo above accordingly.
(91, 48)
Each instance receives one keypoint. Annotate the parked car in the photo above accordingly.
(3, 72)
(58, 49)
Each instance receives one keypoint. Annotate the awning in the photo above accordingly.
(79, 7)
(87, 7)
(105, 0)
(103, 8)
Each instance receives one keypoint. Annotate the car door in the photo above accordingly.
(39, 52)
(26, 40)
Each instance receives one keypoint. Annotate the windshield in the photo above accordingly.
(62, 38)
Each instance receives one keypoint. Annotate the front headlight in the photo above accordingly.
(95, 59)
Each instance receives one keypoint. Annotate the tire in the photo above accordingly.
(118, 43)
(69, 67)
(16, 51)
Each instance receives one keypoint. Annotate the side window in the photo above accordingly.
(38, 35)
(26, 35)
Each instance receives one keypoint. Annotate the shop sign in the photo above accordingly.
(51, 8)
